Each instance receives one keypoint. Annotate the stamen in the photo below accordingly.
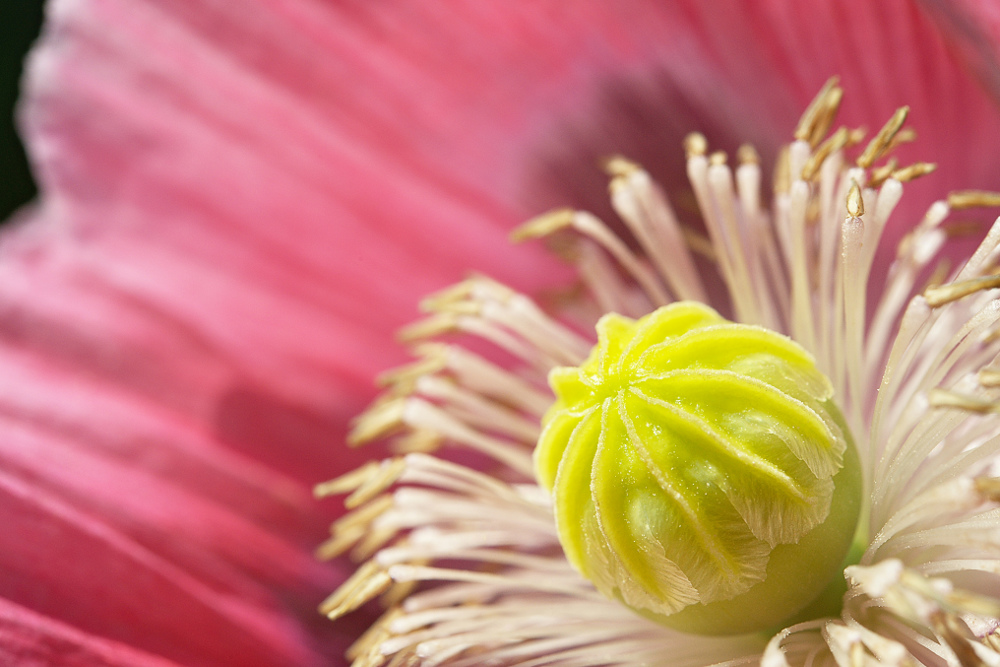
(362, 516)
(571, 586)
(918, 377)
(989, 377)
(713, 189)
(957, 635)
(827, 115)
(819, 114)
(645, 209)
(487, 378)
(592, 227)
(916, 250)
(543, 225)
(341, 542)
(700, 244)
(389, 471)
(747, 154)
(803, 322)
(855, 203)
(430, 327)
(879, 175)
(717, 159)
(853, 291)
(942, 398)
(837, 141)
(478, 411)
(443, 323)
(882, 141)
(740, 245)
(603, 280)
(417, 441)
(782, 173)
(939, 296)
(380, 419)
(988, 488)
(376, 537)
(798, 155)
(959, 495)
(432, 361)
(695, 145)
(913, 171)
(367, 583)
(905, 135)
(964, 199)
(364, 651)
(348, 481)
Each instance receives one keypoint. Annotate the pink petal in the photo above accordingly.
(32, 640)
(972, 29)
(241, 206)
(399, 140)
(55, 553)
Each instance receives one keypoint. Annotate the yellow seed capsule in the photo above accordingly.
(700, 472)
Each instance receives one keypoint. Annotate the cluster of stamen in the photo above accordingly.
(915, 371)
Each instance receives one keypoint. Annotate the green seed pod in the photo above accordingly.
(693, 464)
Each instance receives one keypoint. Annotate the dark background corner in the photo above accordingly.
(20, 22)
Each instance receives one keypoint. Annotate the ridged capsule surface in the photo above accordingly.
(687, 452)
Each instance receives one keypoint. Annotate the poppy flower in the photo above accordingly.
(239, 207)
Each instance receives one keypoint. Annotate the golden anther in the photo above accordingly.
(783, 172)
(363, 516)
(940, 273)
(457, 293)
(881, 174)
(347, 482)
(956, 634)
(835, 142)
(695, 144)
(374, 539)
(617, 165)
(880, 142)
(429, 327)
(398, 593)
(412, 371)
(826, 116)
(340, 543)
(699, 244)
(543, 225)
(856, 136)
(380, 419)
(366, 646)
(472, 308)
(855, 202)
(988, 488)
(819, 105)
(369, 581)
(915, 170)
(718, 158)
(963, 229)
(747, 154)
(388, 473)
(465, 297)
(419, 440)
(942, 398)
(906, 135)
(973, 199)
(989, 377)
(938, 296)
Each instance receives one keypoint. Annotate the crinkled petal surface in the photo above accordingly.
(240, 206)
